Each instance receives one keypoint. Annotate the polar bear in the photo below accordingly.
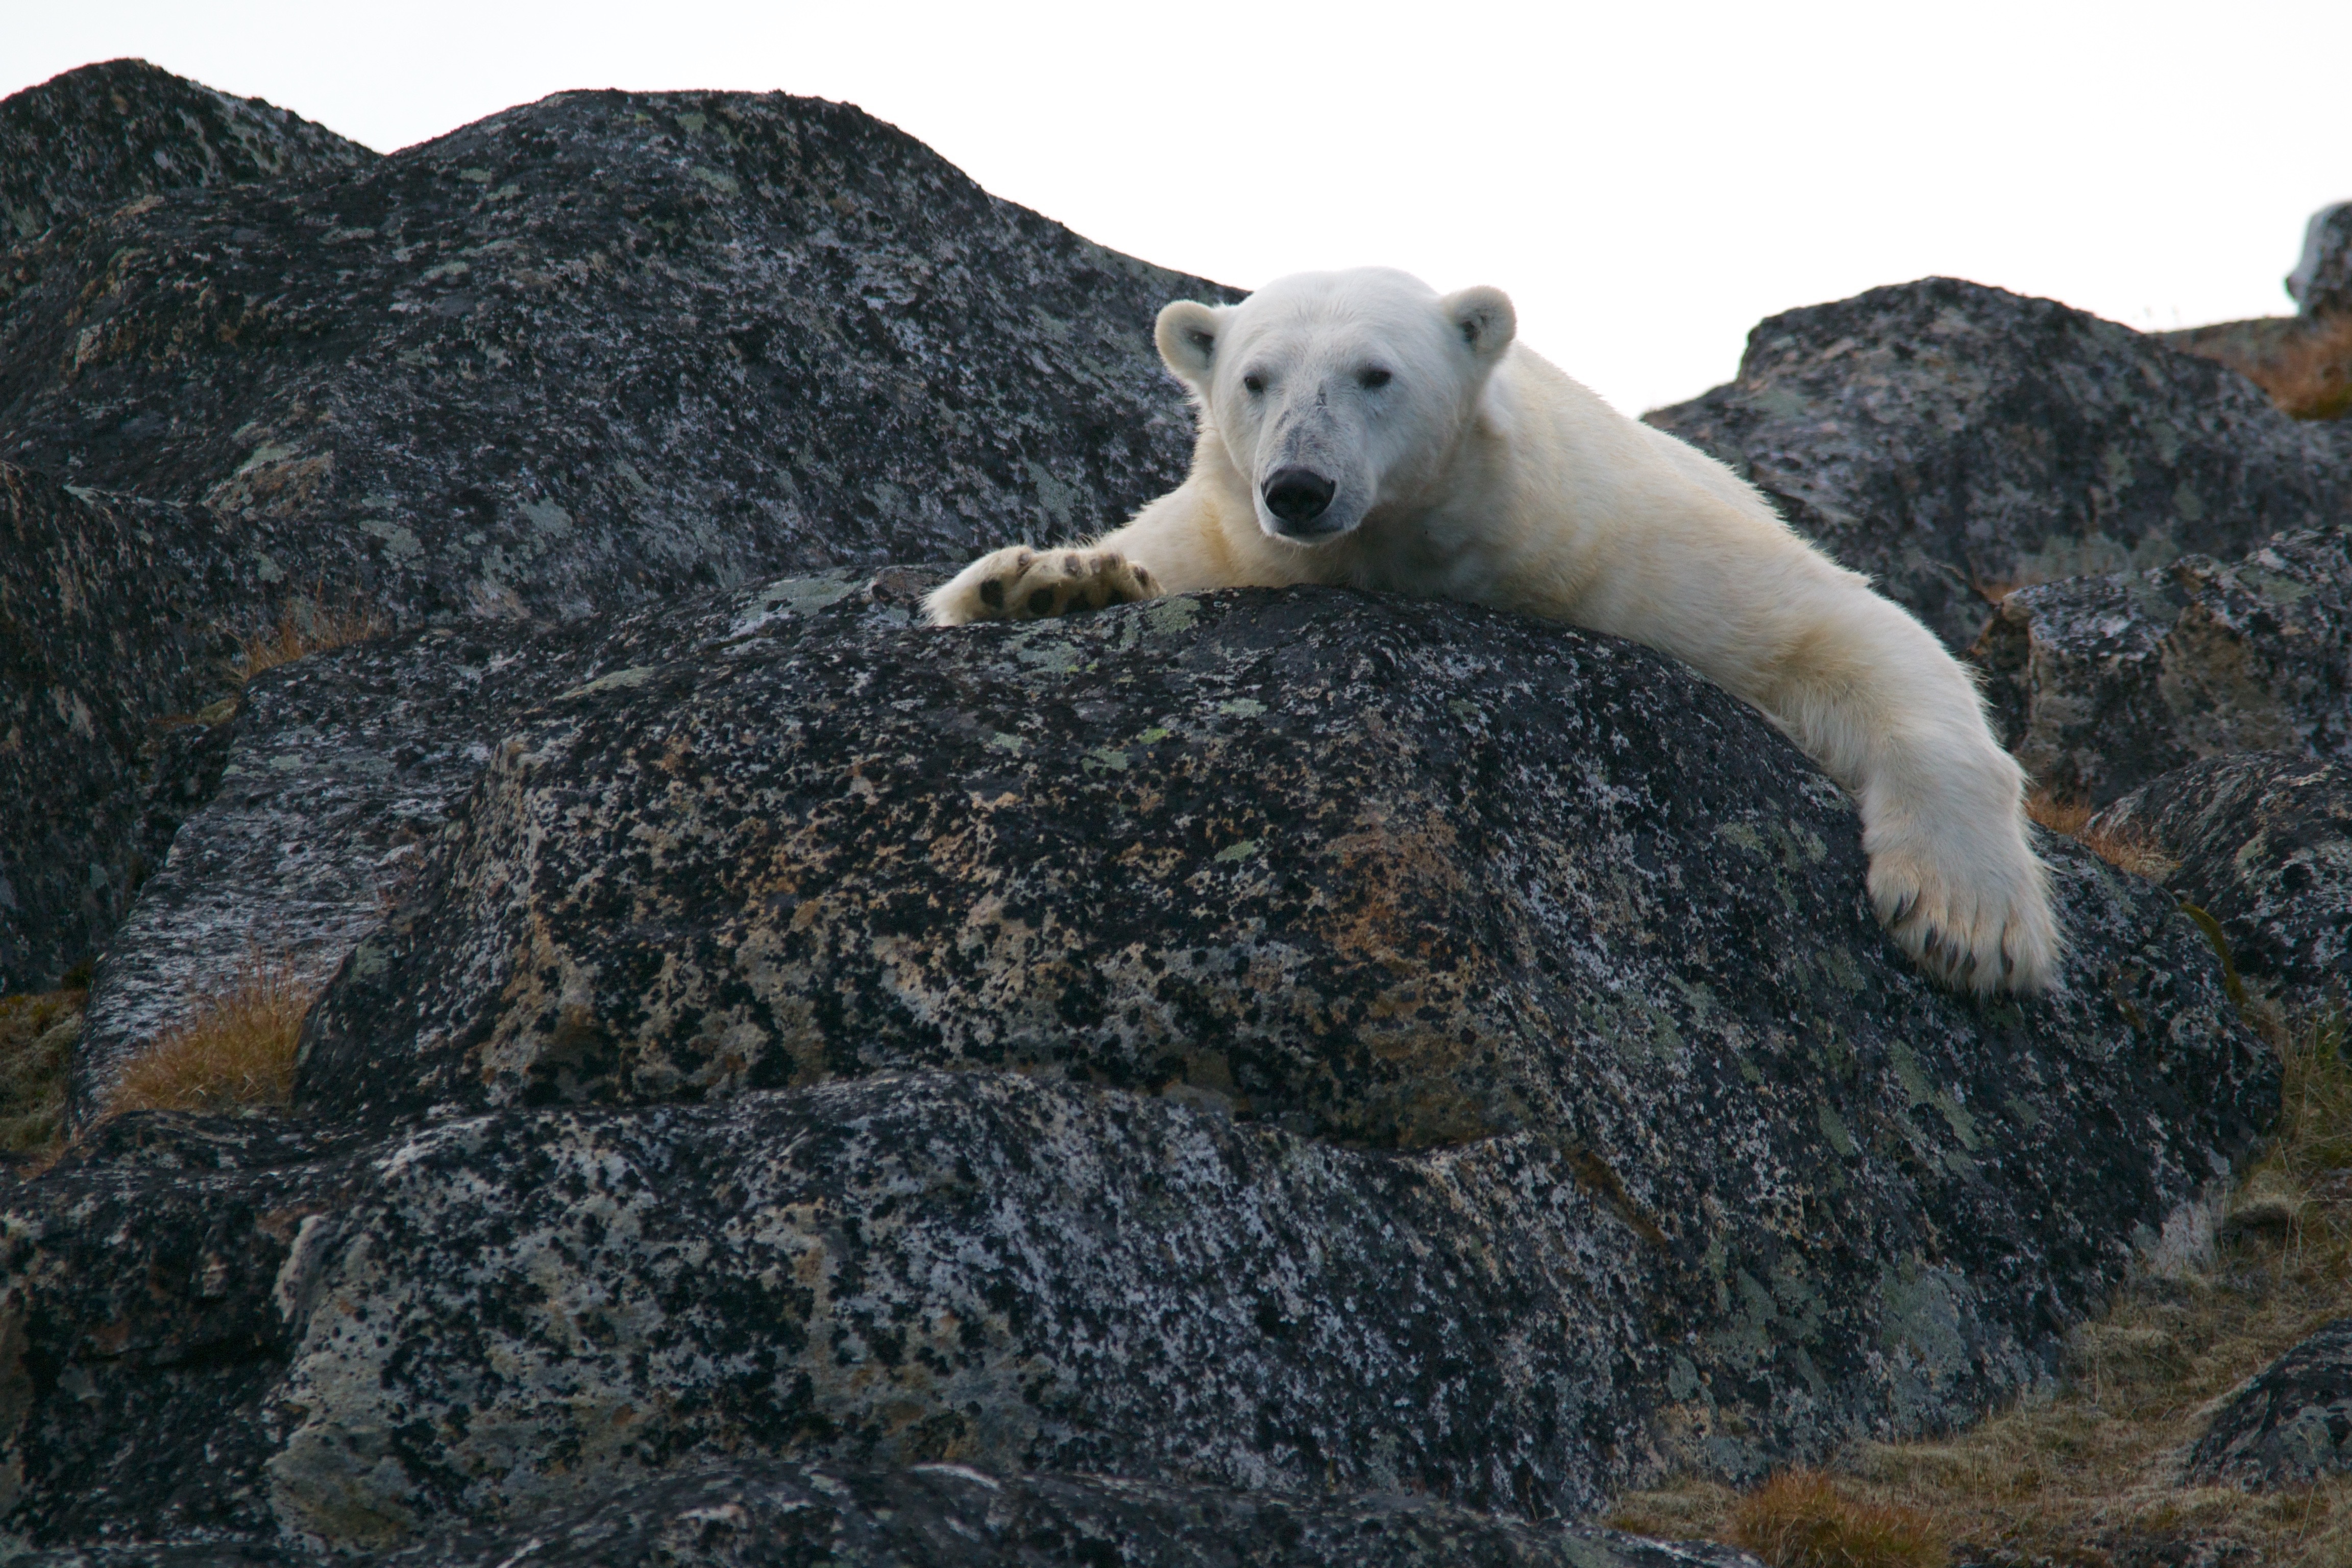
(1357, 428)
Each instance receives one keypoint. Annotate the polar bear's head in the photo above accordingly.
(1338, 394)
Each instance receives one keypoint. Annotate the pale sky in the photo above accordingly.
(1646, 180)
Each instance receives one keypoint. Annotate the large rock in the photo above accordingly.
(1294, 1040)
(107, 134)
(2290, 1425)
(1956, 442)
(573, 359)
(2321, 282)
(2262, 842)
(112, 684)
(2101, 684)
(592, 351)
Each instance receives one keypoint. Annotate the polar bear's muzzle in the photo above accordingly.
(1300, 501)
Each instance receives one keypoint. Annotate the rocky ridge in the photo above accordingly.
(1957, 443)
(117, 132)
(788, 1076)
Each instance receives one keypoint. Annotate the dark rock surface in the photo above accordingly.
(1505, 1096)
(109, 672)
(2321, 282)
(106, 134)
(2291, 1426)
(1268, 1078)
(2262, 842)
(596, 350)
(1956, 442)
(762, 1513)
(342, 766)
(2101, 684)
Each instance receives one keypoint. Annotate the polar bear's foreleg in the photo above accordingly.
(1870, 694)
(1021, 583)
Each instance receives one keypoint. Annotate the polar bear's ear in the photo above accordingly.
(1187, 334)
(1485, 319)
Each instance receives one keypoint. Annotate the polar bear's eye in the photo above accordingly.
(1255, 383)
(1374, 380)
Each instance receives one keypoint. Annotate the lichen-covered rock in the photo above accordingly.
(596, 350)
(2262, 842)
(2101, 684)
(2321, 282)
(1956, 442)
(336, 772)
(1331, 902)
(112, 679)
(106, 134)
(956, 1516)
(2291, 1426)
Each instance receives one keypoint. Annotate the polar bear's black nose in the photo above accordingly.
(1297, 495)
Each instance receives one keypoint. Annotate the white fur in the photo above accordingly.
(1480, 472)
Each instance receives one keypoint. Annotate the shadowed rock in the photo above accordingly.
(106, 134)
(2262, 842)
(2291, 1426)
(113, 685)
(2101, 684)
(343, 766)
(1956, 442)
(595, 350)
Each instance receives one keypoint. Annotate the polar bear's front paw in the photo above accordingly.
(1975, 916)
(1024, 585)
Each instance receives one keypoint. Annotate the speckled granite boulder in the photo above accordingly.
(2291, 1426)
(112, 683)
(576, 358)
(2261, 841)
(107, 134)
(2101, 684)
(1956, 442)
(1277, 1041)
(595, 350)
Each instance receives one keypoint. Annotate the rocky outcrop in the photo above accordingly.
(2262, 842)
(1957, 442)
(1300, 1074)
(2101, 684)
(572, 360)
(594, 351)
(2290, 1425)
(113, 681)
(107, 134)
(863, 1044)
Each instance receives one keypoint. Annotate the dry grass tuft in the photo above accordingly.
(235, 1053)
(305, 627)
(2127, 848)
(37, 1039)
(2088, 1475)
(1798, 1519)
(2060, 816)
